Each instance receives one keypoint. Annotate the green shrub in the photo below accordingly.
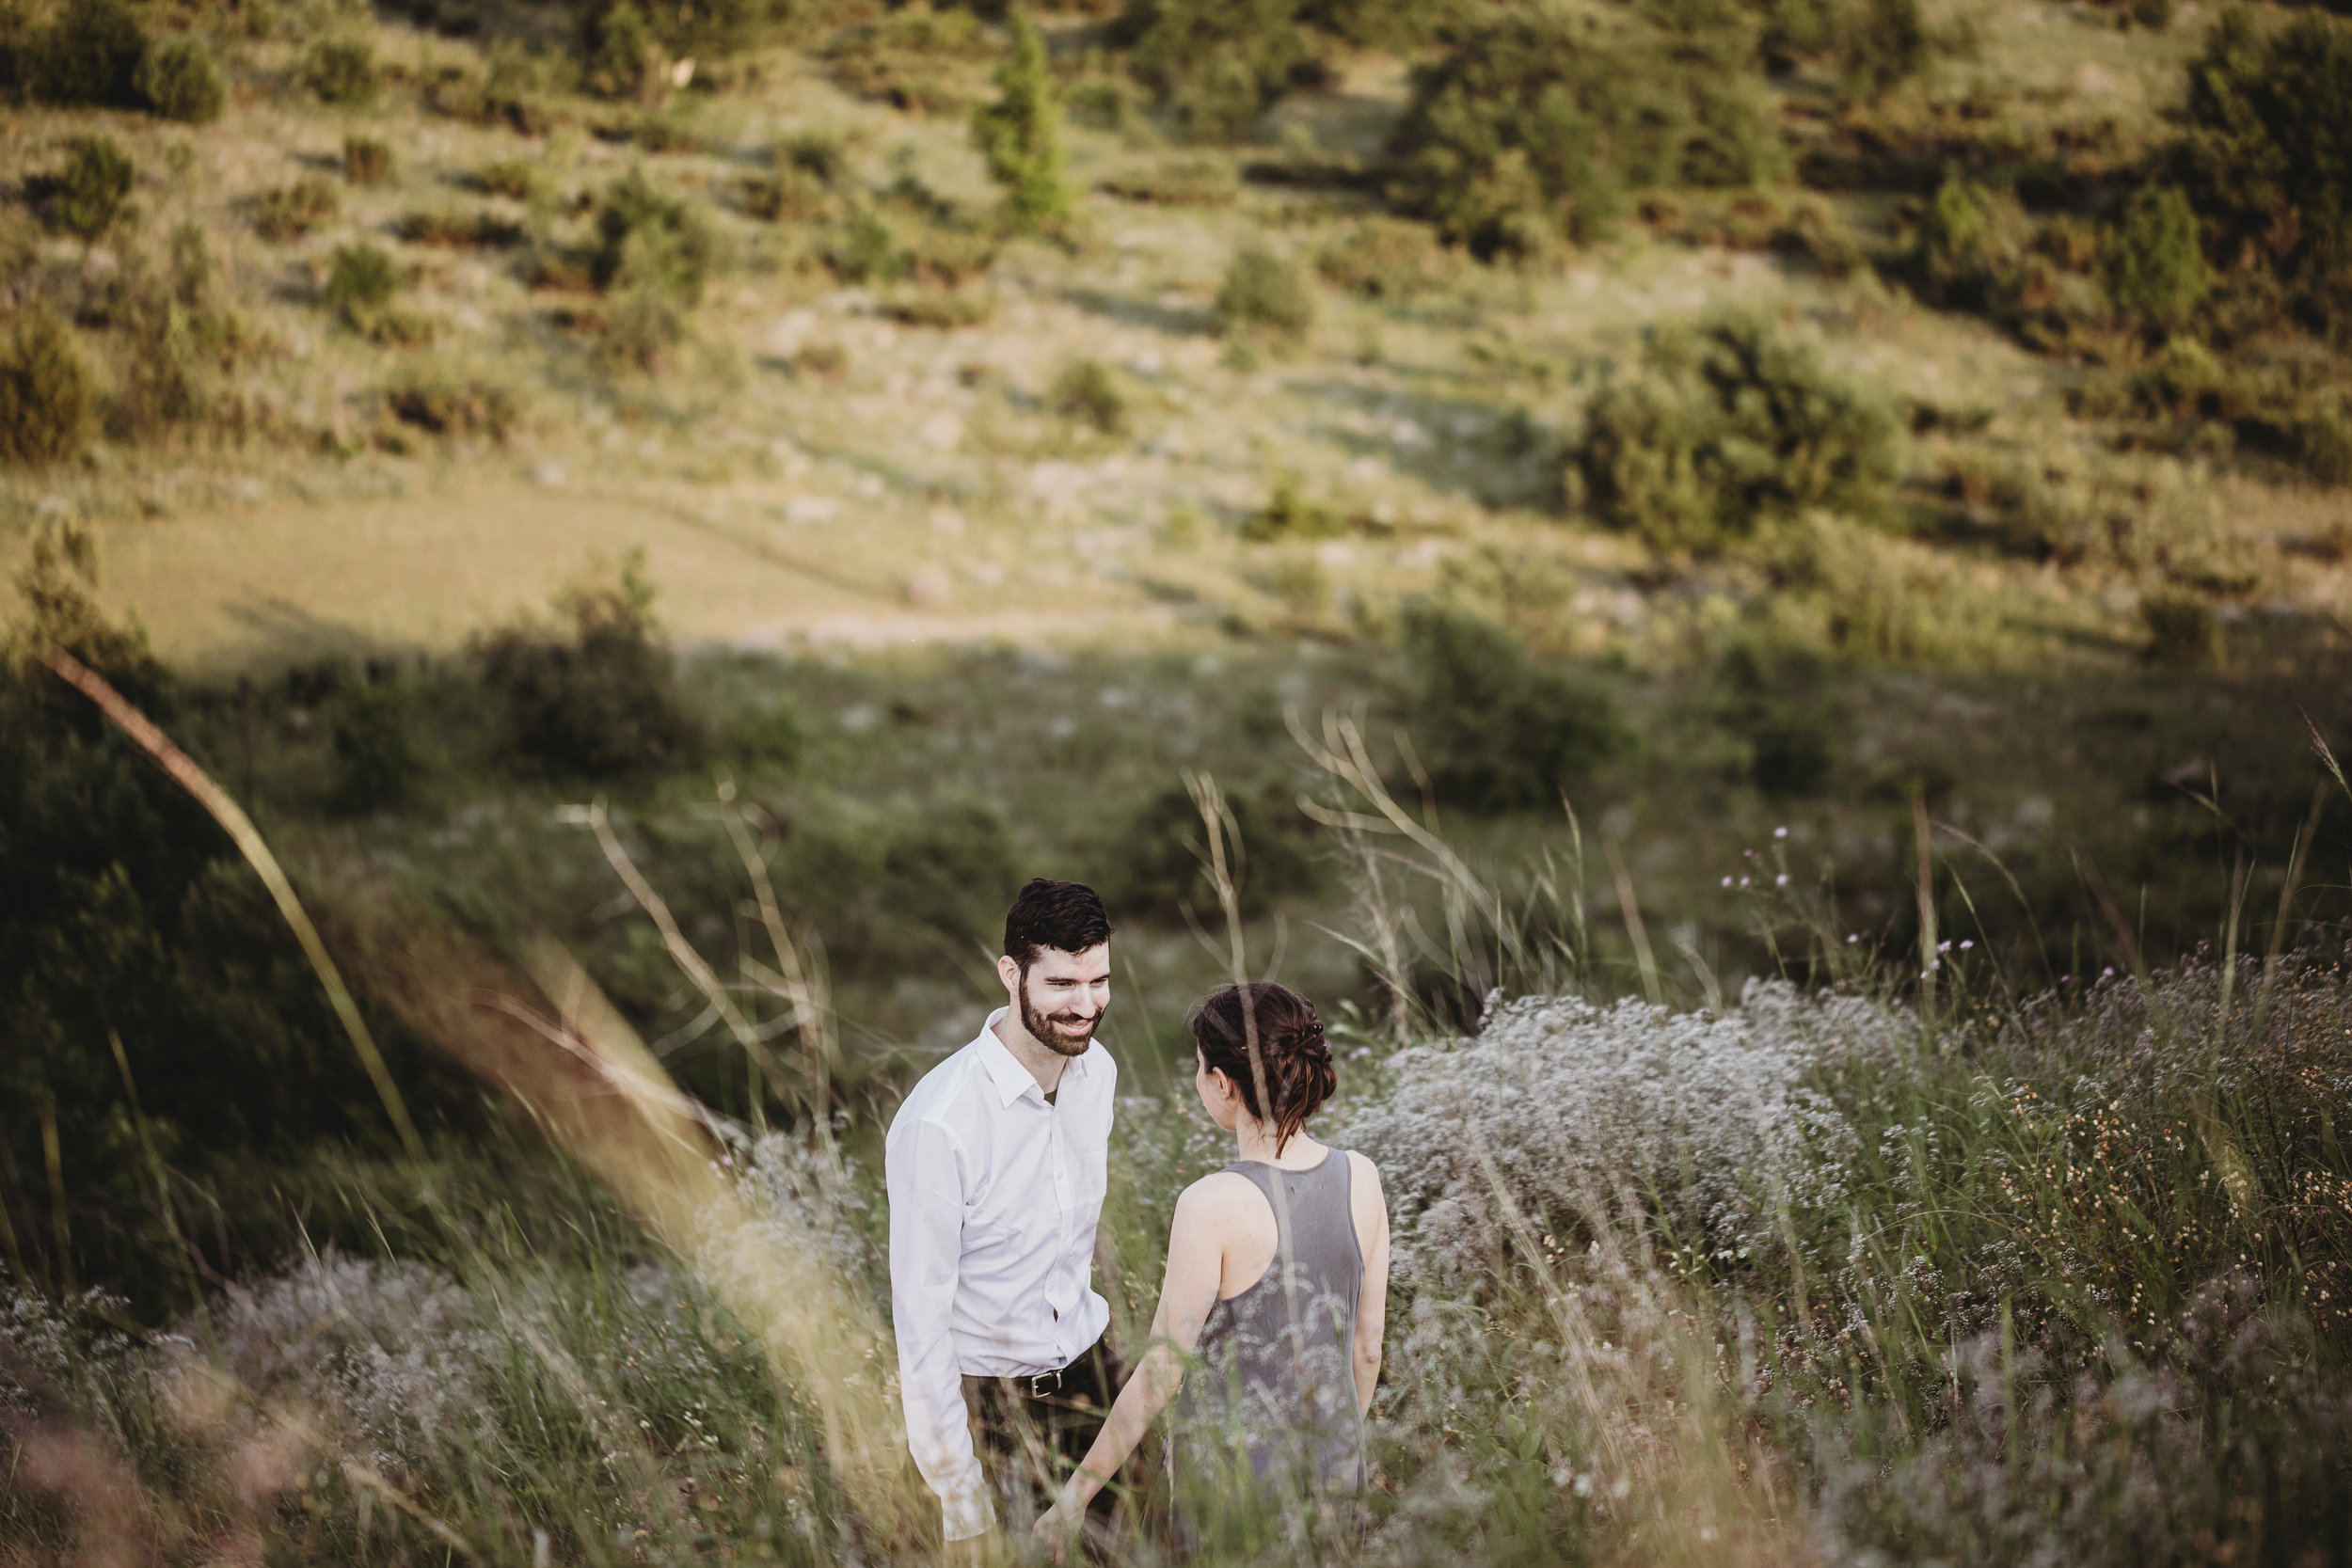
(1154, 869)
(598, 697)
(643, 330)
(45, 393)
(1538, 123)
(1289, 513)
(706, 30)
(623, 61)
(1264, 293)
(2269, 117)
(1970, 243)
(1731, 425)
(1200, 181)
(340, 71)
(951, 867)
(1385, 257)
(445, 405)
(453, 231)
(88, 53)
(90, 193)
(1215, 64)
(1495, 729)
(912, 59)
(367, 161)
(1769, 699)
(1086, 393)
(2181, 628)
(289, 212)
(2153, 267)
(1020, 135)
(162, 382)
(180, 80)
(647, 239)
(516, 179)
(942, 307)
(1880, 45)
(361, 281)
(376, 764)
(2155, 15)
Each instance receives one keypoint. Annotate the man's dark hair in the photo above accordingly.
(1047, 913)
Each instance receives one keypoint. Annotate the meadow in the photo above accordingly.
(1755, 593)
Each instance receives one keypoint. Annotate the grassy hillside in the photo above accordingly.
(1856, 495)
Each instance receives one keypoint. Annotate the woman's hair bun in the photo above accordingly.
(1293, 1055)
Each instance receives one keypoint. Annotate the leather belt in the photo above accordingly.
(1042, 1385)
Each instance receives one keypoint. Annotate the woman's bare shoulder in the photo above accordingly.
(1361, 1166)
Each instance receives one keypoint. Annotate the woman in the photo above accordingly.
(1278, 1275)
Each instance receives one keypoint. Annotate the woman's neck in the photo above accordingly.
(1255, 1141)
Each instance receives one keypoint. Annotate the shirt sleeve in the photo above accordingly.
(926, 1182)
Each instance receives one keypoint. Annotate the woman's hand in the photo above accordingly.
(1058, 1526)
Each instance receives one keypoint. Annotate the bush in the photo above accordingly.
(340, 71)
(647, 239)
(452, 231)
(1202, 180)
(289, 212)
(88, 53)
(706, 30)
(180, 80)
(1086, 393)
(1881, 45)
(599, 698)
(1215, 64)
(2181, 628)
(447, 406)
(1155, 871)
(2153, 266)
(163, 380)
(1497, 729)
(361, 281)
(1537, 125)
(1384, 257)
(45, 392)
(2264, 160)
(376, 764)
(1731, 425)
(1262, 291)
(642, 332)
(1969, 245)
(90, 191)
(367, 161)
(912, 59)
(623, 61)
(952, 868)
(1020, 135)
(513, 177)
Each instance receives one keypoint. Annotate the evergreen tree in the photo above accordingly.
(1020, 133)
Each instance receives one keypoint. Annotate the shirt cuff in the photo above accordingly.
(967, 1511)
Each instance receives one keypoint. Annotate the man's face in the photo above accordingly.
(1062, 996)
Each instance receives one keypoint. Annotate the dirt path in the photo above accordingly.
(285, 579)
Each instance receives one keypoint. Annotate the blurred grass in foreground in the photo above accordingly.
(1916, 1267)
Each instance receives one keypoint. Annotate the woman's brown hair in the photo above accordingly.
(1299, 1076)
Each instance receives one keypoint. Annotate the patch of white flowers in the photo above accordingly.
(1566, 1109)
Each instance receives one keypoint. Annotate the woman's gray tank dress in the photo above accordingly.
(1271, 1401)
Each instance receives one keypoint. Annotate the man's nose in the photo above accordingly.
(1087, 1005)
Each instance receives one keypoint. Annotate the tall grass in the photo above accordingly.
(1854, 1266)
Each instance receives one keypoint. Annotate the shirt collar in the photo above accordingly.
(1005, 1070)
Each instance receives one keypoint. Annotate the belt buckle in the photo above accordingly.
(1039, 1388)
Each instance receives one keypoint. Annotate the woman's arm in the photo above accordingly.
(1371, 1306)
(1194, 1267)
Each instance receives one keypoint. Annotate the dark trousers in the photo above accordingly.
(1029, 1440)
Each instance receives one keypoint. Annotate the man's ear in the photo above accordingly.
(1010, 973)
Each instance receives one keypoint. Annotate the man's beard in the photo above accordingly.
(1053, 1032)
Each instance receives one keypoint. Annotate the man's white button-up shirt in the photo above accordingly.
(994, 1197)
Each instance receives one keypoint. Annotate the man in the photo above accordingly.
(996, 1170)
